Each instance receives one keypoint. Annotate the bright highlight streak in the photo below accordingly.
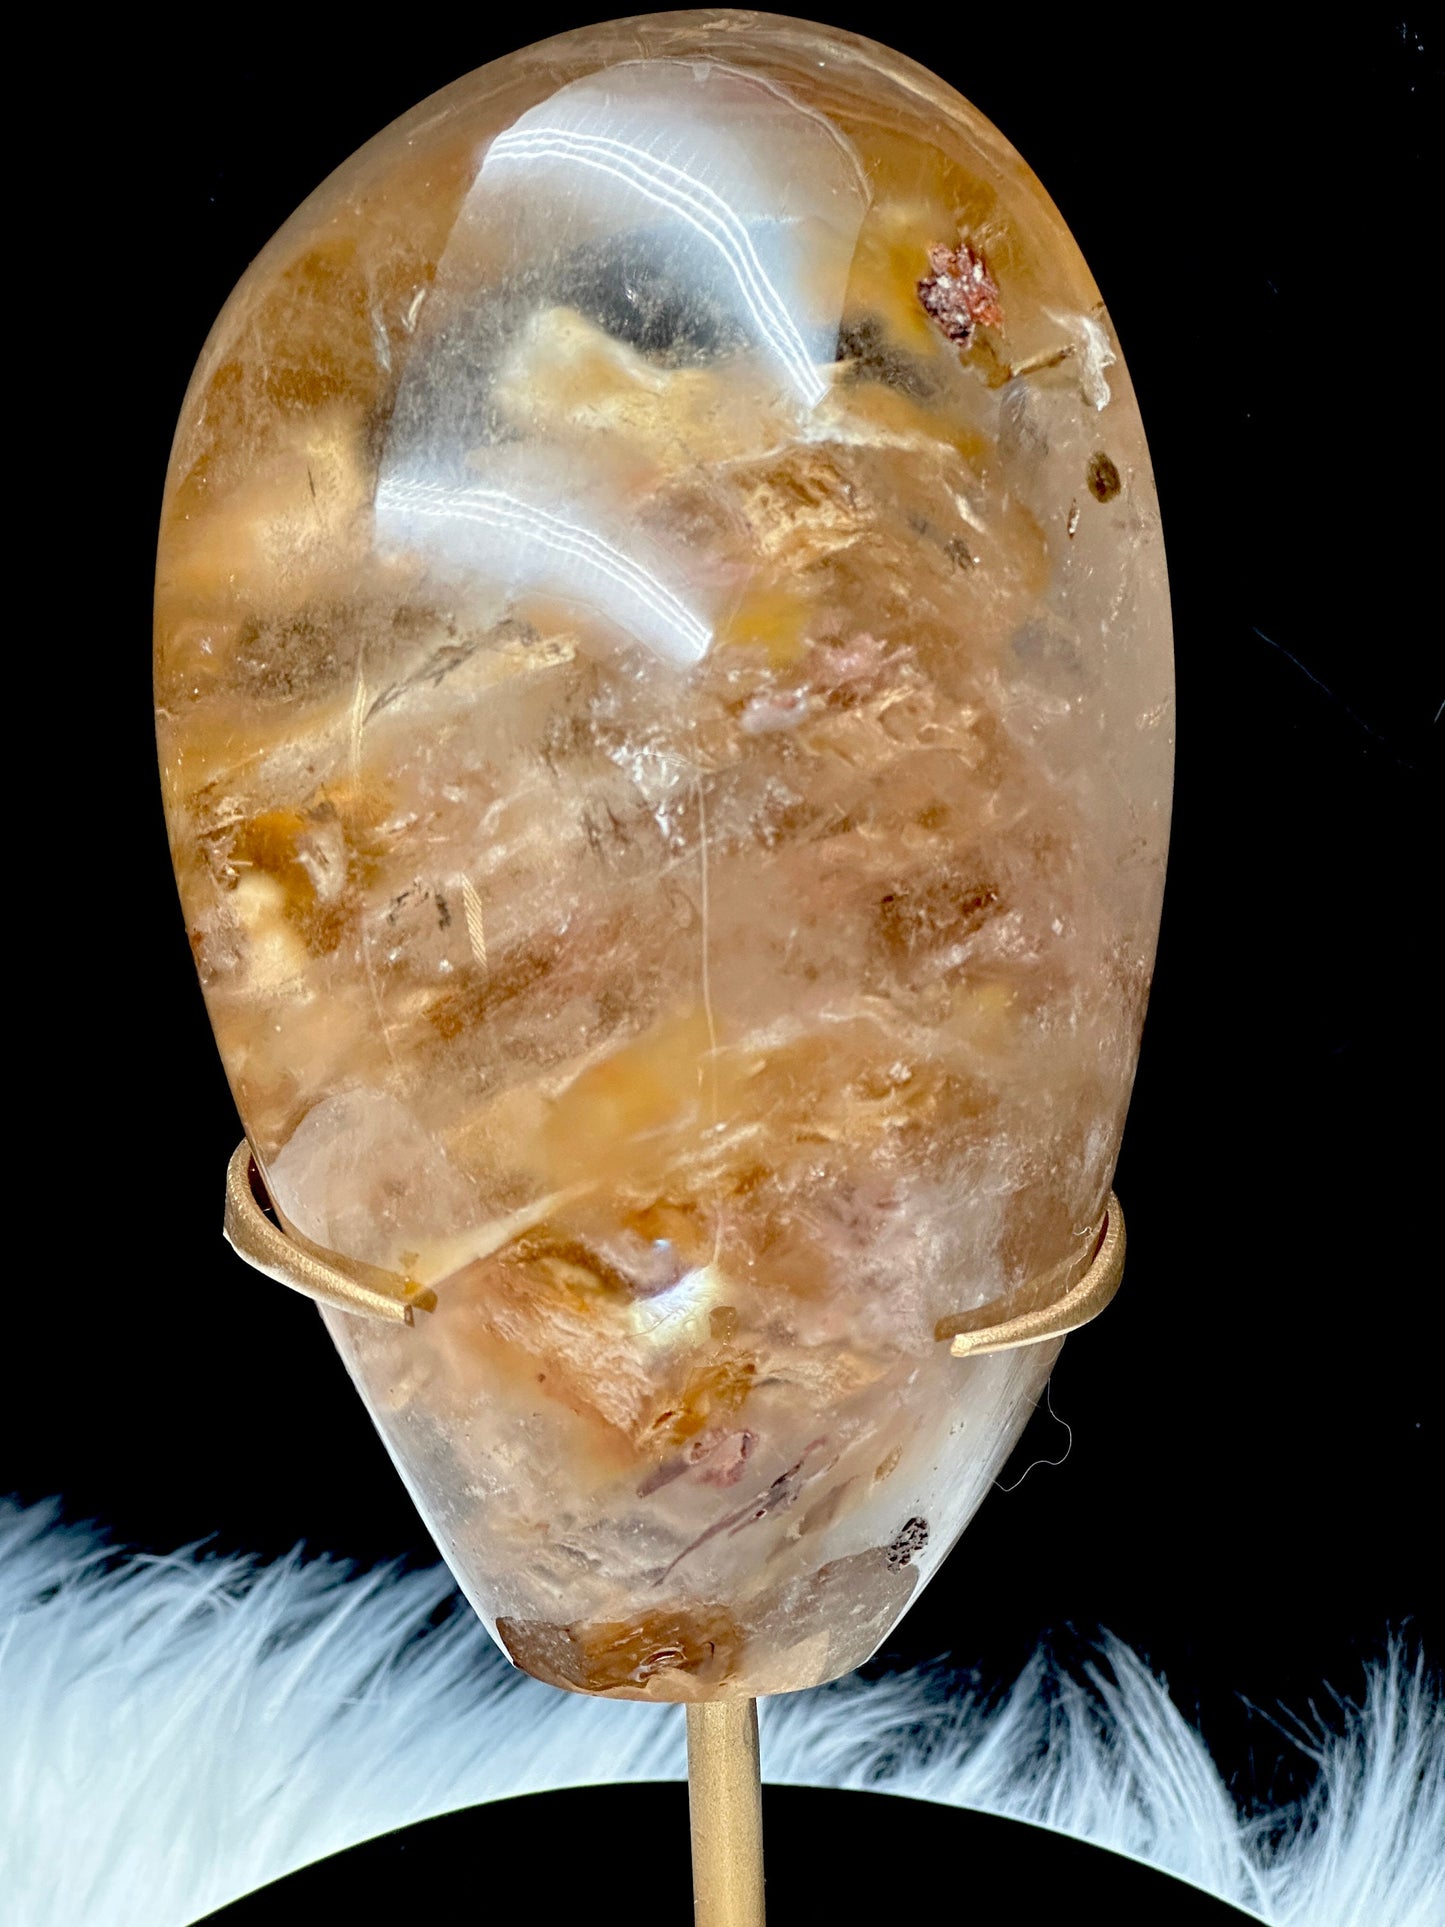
(690, 200)
(535, 534)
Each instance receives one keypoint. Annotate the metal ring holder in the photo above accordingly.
(371, 1292)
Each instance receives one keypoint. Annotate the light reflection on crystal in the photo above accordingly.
(526, 548)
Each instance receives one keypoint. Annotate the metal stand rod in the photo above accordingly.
(725, 1800)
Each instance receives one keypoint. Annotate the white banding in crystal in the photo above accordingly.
(538, 550)
(710, 198)
(690, 200)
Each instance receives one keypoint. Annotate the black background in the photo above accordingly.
(1250, 1493)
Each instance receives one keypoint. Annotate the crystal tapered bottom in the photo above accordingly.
(788, 1574)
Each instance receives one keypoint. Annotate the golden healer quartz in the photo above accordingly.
(664, 695)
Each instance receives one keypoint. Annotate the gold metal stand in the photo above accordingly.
(973, 1334)
(724, 1783)
(725, 1801)
(293, 1260)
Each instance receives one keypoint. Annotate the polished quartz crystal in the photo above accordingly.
(663, 675)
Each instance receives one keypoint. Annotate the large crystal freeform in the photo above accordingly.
(663, 675)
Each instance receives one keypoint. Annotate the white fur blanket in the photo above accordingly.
(214, 1724)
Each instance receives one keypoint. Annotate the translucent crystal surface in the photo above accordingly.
(663, 676)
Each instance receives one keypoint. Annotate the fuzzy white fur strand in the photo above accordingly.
(176, 1731)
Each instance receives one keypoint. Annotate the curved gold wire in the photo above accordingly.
(371, 1292)
(1083, 1301)
(293, 1260)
